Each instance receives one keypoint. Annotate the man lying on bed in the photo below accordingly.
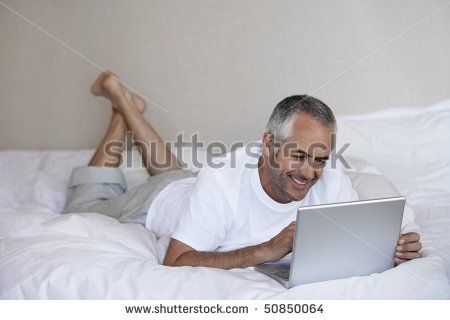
(236, 216)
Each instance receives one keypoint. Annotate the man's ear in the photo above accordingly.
(268, 143)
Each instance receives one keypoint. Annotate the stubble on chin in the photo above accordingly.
(280, 184)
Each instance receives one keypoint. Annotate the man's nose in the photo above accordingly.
(307, 171)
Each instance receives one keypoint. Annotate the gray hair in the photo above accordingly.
(280, 121)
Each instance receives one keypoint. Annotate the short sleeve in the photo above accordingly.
(346, 192)
(336, 185)
(204, 223)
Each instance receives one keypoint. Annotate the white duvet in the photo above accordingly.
(45, 255)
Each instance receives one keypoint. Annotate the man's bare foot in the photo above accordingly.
(107, 84)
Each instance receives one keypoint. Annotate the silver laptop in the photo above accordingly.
(340, 240)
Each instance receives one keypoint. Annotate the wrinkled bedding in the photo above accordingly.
(46, 255)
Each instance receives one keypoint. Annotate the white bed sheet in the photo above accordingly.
(91, 256)
(48, 255)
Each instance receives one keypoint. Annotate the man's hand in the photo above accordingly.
(408, 247)
(280, 245)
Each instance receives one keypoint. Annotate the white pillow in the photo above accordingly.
(369, 183)
(410, 146)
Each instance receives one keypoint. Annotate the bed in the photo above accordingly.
(47, 255)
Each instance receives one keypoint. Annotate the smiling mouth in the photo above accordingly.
(299, 183)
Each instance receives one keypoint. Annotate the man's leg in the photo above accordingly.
(157, 158)
(114, 137)
(102, 189)
(101, 180)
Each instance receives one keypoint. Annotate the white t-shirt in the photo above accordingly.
(226, 209)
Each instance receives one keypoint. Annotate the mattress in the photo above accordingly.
(47, 255)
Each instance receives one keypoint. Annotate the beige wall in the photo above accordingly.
(217, 67)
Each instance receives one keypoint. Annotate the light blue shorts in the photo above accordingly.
(103, 190)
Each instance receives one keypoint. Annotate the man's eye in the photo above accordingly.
(299, 156)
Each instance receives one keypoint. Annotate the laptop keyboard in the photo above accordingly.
(283, 274)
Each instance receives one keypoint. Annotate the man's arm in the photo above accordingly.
(180, 254)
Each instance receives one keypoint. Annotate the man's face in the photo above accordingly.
(297, 164)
